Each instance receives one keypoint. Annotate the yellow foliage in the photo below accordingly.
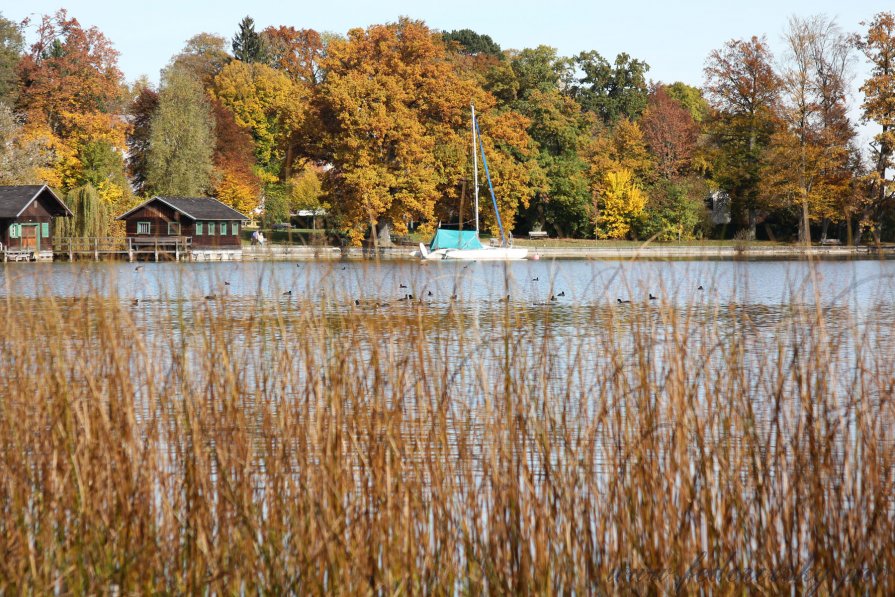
(242, 195)
(622, 201)
(267, 102)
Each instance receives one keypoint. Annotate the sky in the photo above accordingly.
(673, 37)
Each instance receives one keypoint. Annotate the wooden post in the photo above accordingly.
(96, 248)
(156, 249)
(130, 250)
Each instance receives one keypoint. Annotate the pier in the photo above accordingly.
(131, 248)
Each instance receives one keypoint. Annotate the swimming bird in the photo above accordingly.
(651, 297)
(407, 297)
(621, 302)
(700, 287)
(135, 302)
(453, 297)
(505, 299)
(210, 297)
(139, 268)
(562, 293)
(344, 268)
(226, 283)
(429, 293)
(287, 293)
(553, 298)
(357, 302)
(535, 279)
(401, 286)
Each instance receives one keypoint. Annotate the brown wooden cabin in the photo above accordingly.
(26, 217)
(208, 222)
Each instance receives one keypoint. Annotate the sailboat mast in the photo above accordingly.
(475, 172)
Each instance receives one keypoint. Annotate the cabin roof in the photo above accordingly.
(16, 198)
(196, 208)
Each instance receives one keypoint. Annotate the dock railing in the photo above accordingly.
(96, 247)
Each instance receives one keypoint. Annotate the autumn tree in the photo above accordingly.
(612, 91)
(92, 217)
(181, 138)
(806, 163)
(71, 91)
(622, 201)
(670, 133)
(204, 55)
(297, 52)
(22, 160)
(878, 46)
(690, 98)
(743, 90)
(397, 131)
(270, 105)
(236, 182)
(247, 43)
(12, 44)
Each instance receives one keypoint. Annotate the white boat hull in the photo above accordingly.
(483, 254)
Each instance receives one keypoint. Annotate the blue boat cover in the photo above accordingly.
(455, 239)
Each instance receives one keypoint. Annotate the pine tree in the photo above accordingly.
(247, 44)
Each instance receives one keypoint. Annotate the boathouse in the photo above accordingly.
(26, 221)
(202, 222)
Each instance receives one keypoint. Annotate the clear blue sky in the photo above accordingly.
(673, 37)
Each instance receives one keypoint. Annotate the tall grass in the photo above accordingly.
(310, 445)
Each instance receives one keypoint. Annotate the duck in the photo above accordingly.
(401, 286)
(139, 268)
(287, 293)
(553, 298)
(562, 293)
(700, 287)
(651, 297)
(226, 283)
(406, 297)
(621, 302)
(536, 279)
(135, 302)
(210, 297)
(505, 299)
(429, 293)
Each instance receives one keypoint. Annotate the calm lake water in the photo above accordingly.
(858, 285)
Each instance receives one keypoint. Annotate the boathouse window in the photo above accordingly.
(143, 227)
(211, 229)
(45, 230)
(173, 229)
(14, 231)
(234, 226)
(223, 228)
(198, 228)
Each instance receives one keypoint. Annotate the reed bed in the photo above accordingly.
(311, 445)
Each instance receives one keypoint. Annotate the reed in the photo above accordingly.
(311, 445)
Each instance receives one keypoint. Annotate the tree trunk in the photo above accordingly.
(383, 237)
(752, 223)
(805, 225)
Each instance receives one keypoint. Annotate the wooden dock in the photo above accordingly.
(131, 248)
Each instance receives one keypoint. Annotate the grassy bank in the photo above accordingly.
(314, 445)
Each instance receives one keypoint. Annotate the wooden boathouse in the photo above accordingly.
(26, 221)
(181, 226)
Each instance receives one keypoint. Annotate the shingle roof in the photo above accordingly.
(14, 199)
(197, 208)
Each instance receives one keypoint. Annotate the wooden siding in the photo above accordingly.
(38, 212)
(160, 215)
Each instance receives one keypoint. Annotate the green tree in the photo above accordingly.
(247, 44)
(612, 91)
(12, 43)
(690, 98)
(179, 161)
(92, 217)
(204, 55)
(472, 43)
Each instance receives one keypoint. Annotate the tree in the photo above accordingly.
(806, 163)
(878, 46)
(690, 98)
(179, 162)
(743, 90)
(397, 131)
(471, 43)
(670, 133)
(621, 202)
(204, 55)
(22, 160)
(236, 184)
(12, 44)
(71, 93)
(612, 91)
(269, 104)
(92, 216)
(142, 110)
(297, 52)
(247, 44)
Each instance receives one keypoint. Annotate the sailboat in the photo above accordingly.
(465, 244)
